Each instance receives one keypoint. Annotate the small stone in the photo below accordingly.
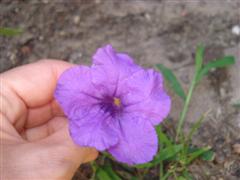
(76, 19)
(236, 30)
(147, 16)
(62, 33)
(16, 10)
(41, 38)
(12, 57)
(236, 148)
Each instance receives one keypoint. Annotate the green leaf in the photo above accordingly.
(134, 178)
(101, 174)
(181, 178)
(172, 80)
(195, 127)
(162, 138)
(187, 175)
(208, 155)
(164, 154)
(145, 165)
(197, 152)
(165, 177)
(112, 174)
(199, 58)
(4, 31)
(168, 152)
(219, 63)
(106, 173)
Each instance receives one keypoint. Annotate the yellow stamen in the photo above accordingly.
(117, 101)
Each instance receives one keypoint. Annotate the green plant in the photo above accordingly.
(175, 154)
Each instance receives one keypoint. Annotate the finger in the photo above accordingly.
(40, 115)
(56, 132)
(60, 149)
(45, 130)
(68, 149)
(35, 83)
(41, 161)
(11, 107)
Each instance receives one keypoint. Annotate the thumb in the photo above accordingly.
(54, 157)
(62, 153)
(64, 145)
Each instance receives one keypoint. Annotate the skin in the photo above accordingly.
(35, 142)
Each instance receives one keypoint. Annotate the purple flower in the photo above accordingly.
(114, 105)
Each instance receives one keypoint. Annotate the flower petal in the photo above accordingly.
(75, 90)
(93, 130)
(138, 141)
(109, 68)
(80, 100)
(146, 96)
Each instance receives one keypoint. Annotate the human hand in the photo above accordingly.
(35, 143)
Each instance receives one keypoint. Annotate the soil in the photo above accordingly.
(153, 31)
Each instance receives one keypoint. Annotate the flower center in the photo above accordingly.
(111, 105)
(117, 102)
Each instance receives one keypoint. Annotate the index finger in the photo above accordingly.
(35, 83)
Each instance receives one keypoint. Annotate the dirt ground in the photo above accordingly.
(151, 31)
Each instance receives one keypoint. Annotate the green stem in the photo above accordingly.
(198, 67)
(161, 162)
(166, 175)
(94, 168)
(161, 170)
(175, 175)
(185, 108)
(144, 173)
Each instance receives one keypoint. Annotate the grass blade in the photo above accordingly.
(164, 154)
(196, 126)
(181, 178)
(197, 153)
(219, 63)
(106, 173)
(4, 31)
(111, 172)
(168, 153)
(101, 174)
(172, 80)
(208, 155)
(146, 165)
(187, 175)
(199, 58)
(165, 177)
(162, 138)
